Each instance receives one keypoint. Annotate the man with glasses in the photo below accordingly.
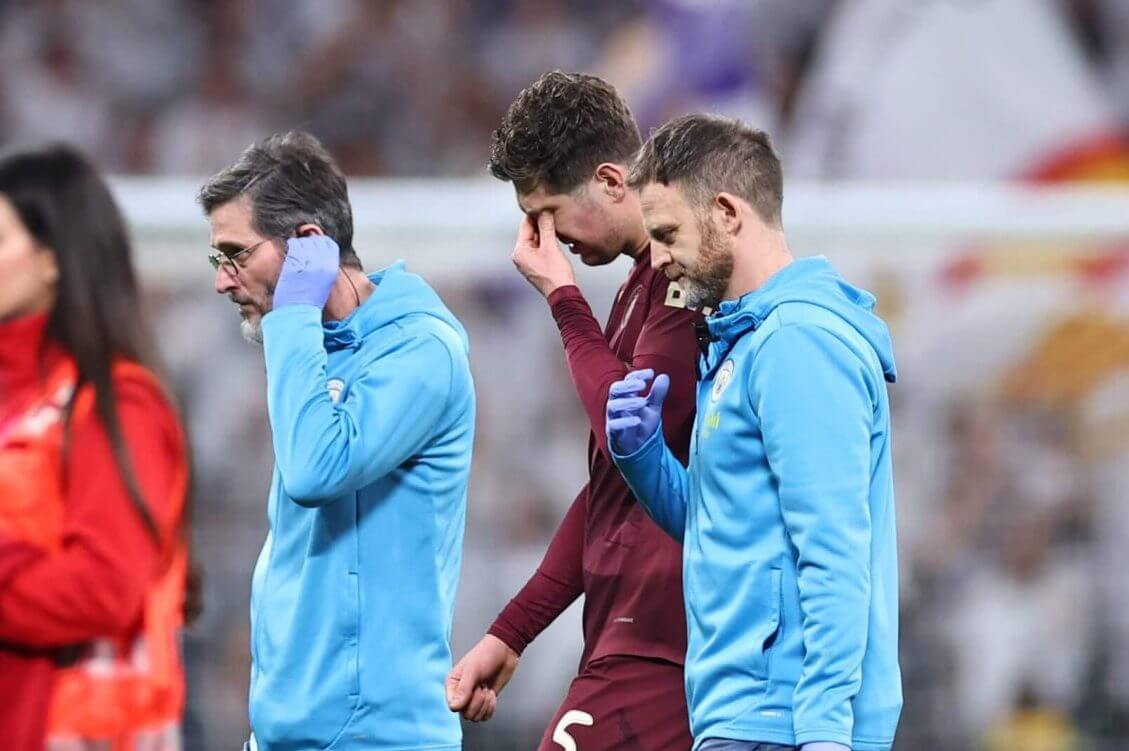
(371, 408)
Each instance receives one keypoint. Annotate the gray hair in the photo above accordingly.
(707, 155)
(290, 180)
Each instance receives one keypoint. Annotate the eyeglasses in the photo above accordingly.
(230, 260)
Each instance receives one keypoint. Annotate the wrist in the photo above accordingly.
(551, 286)
(501, 644)
(506, 635)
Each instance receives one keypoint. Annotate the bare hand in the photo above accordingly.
(476, 680)
(538, 256)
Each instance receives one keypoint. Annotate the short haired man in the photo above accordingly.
(371, 409)
(565, 144)
(787, 510)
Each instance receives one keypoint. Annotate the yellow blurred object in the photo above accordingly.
(1073, 357)
(1033, 730)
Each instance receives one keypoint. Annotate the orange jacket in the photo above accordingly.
(98, 578)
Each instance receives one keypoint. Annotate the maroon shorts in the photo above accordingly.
(622, 704)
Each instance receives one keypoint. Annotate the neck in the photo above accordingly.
(756, 260)
(22, 345)
(638, 241)
(349, 292)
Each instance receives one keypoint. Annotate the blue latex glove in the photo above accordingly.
(824, 746)
(308, 271)
(631, 417)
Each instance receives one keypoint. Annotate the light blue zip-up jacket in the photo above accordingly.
(787, 519)
(352, 598)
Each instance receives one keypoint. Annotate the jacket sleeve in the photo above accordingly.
(325, 450)
(556, 583)
(814, 397)
(666, 343)
(659, 482)
(95, 585)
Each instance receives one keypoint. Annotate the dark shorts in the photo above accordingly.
(622, 704)
(721, 744)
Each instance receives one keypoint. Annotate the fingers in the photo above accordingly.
(312, 251)
(624, 388)
(633, 383)
(547, 230)
(527, 231)
(545, 224)
(491, 705)
(458, 690)
(625, 405)
(658, 390)
(617, 424)
(482, 705)
(644, 375)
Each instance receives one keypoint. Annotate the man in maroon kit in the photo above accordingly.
(566, 144)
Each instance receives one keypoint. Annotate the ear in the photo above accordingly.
(727, 211)
(305, 230)
(47, 267)
(612, 178)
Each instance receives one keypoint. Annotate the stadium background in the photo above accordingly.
(940, 151)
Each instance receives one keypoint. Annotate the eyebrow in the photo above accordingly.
(227, 247)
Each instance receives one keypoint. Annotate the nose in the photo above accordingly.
(225, 280)
(660, 256)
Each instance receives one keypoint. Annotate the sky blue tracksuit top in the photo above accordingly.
(353, 594)
(786, 515)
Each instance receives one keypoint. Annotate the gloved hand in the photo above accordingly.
(631, 417)
(308, 271)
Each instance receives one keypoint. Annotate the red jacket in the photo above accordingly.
(95, 580)
(607, 548)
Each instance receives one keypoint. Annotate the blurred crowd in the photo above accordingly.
(1011, 460)
(414, 87)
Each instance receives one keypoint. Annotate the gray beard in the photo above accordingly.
(252, 329)
(698, 294)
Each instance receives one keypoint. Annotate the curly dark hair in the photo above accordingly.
(707, 155)
(559, 129)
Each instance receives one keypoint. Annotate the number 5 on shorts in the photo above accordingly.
(571, 717)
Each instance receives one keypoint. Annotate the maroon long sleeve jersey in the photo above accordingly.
(607, 548)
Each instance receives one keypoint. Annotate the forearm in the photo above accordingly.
(556, 584)
(531, 611)
(659, 482)
(325, 449)
(300, 410)
(593, 365)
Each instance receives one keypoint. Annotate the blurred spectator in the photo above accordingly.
(49, 92)
(197, 135)
(93, 476)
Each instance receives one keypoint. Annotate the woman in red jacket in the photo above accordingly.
(93, 477)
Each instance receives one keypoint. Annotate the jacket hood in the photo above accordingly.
(398, 294)
(809, 280)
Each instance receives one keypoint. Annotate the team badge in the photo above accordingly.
(721, 381)
(675, 296)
